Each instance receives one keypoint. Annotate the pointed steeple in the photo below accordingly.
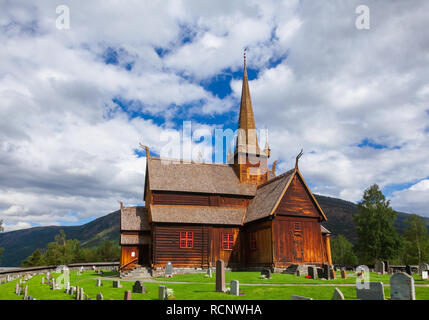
(246, 120)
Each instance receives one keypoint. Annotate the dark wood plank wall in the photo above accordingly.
(291, 247)
(297, 201)
(262, 256)
(197, 199)
(230, 257)
(166, 246)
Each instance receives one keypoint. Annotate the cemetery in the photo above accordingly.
(218, 284)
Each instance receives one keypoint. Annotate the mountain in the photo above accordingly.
(340, 217)
(20, 244)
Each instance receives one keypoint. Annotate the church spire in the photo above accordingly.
(246, 120)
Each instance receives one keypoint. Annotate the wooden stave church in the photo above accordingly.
(196, 213)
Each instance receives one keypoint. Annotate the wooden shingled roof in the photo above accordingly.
(134, 219)
(175, 175)
(267, 197)
(198, 215)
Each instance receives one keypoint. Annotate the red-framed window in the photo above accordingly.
(227, 241)
(186, 239)
(253, 241)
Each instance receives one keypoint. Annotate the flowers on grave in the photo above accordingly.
(170, 294)
(262, 276)
(308, 277)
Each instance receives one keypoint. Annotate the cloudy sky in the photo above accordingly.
(75, 103)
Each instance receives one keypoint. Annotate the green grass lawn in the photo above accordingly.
(202, 291)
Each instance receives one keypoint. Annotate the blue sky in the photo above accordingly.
(77, 102)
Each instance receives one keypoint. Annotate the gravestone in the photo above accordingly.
(386, 266)
(77, 293)
(326, 272)
(298, 273)
(71, 292)
(139, 287)
(235, 288)
(17, 288)
(266, 272)
(169, 269)
(338, 295)
(25, 292)
(343, 274)
(99, 296)
(67, 287)
(375, 291)
(81, 269)
(402, 287)
(43, 280)
(320, 274)
(81, 296)
(312, 272)
(117, 284)
(127, 295)
(379, 267)
(98, 283)
(162, 293)
(424, 275)
(209, 272)
(295, 297)
(408, 270)
(220, 276)
(390, 271)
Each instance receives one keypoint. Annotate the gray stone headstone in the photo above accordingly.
(98, 282)
(81, 296)
(209, 272)
(295, 297)
(168, 269)
(127, 295)
(139, 287)
(235, 288)
(424, 274)
(17, 288)
(43, 280)
(220, 276)
(67, 287)
(266, 272)
(375, 291)
(77, 293)
(162, 293)
(25, 292)
(402, 287)
(72, 289)
(408, 270)
(312, 272)
(379, 267)
(117, 284)
(326, 272)
(53, 284)
(338, 295)
(99, 296)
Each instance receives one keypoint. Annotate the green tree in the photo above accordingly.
(36, 259)
(416, 240)
(108, 252)
(342, 251)
(377, 236)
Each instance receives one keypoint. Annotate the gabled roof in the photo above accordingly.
(176, 175)
(267, 197)
(134, 219)
(198, 215)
